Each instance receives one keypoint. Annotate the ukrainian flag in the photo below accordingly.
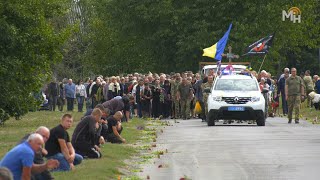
(217, 49)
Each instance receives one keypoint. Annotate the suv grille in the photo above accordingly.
(236, 100)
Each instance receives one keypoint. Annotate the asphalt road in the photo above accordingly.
(276, 151)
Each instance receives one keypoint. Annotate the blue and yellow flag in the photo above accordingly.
(217, 49)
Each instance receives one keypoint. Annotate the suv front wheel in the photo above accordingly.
(211, 118)
(261, 121)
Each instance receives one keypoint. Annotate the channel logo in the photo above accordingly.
(293, 14)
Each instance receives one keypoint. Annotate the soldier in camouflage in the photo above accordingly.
(175, 102)
(294, 94)
(207, 85)
(185, 95)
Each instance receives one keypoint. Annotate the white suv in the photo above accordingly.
(236, 97)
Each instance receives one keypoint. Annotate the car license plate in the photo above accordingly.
(236, 108)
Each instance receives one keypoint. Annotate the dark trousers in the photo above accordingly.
(317, 106)
(80, 100)
(284, 104)
(94, 102)
(139, 109)
(53, 102)
(86, 150)
(113, 138)
(70, 102)
(203, 110)
(156, 108)
(45, 175)
(60, 103)
(165, 109)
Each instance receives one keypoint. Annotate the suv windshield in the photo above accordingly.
(236, 85)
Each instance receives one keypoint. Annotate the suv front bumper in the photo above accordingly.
(222, 113)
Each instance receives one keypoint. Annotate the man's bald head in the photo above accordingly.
(118, 115)
(44, 132)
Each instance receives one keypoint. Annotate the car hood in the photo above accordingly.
(236, 93)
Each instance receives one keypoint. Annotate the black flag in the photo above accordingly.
(260, 47)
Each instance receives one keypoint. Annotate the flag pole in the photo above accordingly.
(262, 62)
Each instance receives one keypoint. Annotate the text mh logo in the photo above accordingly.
(294, 14)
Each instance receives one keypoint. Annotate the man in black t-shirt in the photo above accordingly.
(59, 146)
(115, 128)
(84, 136)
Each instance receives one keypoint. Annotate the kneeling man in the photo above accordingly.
(59, 146)
(84, 138)
(115, 128)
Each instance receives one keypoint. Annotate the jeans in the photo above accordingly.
(70, 102)
(80, 100)
(139, 108)
(64, 165)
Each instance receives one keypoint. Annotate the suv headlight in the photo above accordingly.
(217, 98)
(255, 99)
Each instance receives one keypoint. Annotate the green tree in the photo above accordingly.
(169, 35)
(30, 44)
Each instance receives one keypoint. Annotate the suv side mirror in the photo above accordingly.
(265, 90)
(207, 90)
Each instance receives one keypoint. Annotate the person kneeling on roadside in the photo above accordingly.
(59, 146)
(19, 160)
(315, 99)
(84, 136)
(38, 160)
(115, 128)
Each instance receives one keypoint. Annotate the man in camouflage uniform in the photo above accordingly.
(309, 85)
(185, 93)
(294, 93)
(207, 85)
(175, 102)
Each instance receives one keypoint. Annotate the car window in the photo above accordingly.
(236, 85)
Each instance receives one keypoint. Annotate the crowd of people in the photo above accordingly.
(109, 101)
(172, 95)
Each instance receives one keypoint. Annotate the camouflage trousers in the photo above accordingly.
(294, 105)
(185, 108)
(205, 101)
(176, 108)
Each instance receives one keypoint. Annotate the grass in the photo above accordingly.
(107, 167)
(306, 113)
(309, 114)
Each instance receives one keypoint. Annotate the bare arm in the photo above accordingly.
(65, 150)
(115, 131)
(39, 168)
(50, 164)
(26, 173)
(72, 152)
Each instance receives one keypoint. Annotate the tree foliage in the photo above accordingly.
(29, 45)
(167, 35)
(123, 36)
